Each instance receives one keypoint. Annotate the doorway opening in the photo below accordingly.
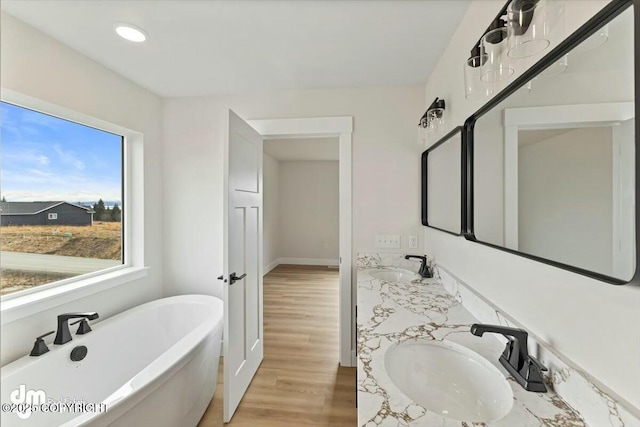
(321, 133)
(301, 202)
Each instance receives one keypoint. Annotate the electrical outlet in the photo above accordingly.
(413, 242)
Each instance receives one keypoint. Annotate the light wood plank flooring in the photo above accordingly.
(300, 382)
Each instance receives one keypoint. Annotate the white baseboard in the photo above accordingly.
(271, 266)
(309, 261)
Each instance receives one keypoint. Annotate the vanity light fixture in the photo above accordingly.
(522, 29)
(130, 32)
(432, 121)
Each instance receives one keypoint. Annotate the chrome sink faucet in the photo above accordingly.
(63, 335)
(516, 359)
(424, 271)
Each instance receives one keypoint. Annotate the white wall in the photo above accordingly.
(271, 211)
(386, 169)
(36, 65)
(309, 226)
(582, 159)
(594, 324)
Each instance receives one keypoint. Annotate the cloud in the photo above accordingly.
(69, 157)
(40, 173)
(67, 196)
(32, 157)
(39, 119)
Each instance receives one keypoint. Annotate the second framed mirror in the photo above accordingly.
(442, 169)
(552, 158)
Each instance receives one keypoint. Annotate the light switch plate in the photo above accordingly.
(388, 241)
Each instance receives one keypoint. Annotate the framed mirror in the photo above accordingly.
(552, 159)
(442, 177)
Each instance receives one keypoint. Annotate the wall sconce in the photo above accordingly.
(432, 121)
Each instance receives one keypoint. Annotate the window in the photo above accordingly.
(61, 198)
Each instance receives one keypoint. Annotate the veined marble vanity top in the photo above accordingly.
(394, 312)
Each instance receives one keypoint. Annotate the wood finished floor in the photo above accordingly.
(299, 382)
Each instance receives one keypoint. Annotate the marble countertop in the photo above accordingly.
(391, 313)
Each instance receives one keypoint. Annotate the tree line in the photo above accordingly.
(103, 213)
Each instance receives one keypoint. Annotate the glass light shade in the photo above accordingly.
(529, 28)
(436, 121)
(596, 40)
(422, 136)
(473, 86)
(497, 66)
(556, 68)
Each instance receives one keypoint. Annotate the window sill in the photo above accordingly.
(27, 305)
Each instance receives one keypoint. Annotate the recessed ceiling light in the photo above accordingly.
(130, 32)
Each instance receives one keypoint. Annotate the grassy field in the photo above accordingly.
(101, 240)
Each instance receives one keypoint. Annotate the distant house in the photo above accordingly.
(44, 213)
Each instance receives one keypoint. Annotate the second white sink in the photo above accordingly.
(395, 275)
(449, 379)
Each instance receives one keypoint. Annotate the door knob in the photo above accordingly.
(233, 278)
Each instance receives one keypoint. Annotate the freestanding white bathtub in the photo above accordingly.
(154, 365)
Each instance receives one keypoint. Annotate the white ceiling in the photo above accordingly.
(299, 149)
(213, 47)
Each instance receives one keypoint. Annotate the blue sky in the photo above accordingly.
(47, 158)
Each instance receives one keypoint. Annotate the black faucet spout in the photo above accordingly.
(518, 352)
(515, 357)
(424, 267)
(63, 335)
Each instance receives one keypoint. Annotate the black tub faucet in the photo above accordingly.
(515, 357)
(424, 268)
(63, 335)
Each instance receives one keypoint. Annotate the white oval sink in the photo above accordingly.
(395, 275)
(449, 379)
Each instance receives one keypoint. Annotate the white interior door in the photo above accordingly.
(243, 342)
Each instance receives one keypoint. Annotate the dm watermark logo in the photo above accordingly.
(24, 400)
